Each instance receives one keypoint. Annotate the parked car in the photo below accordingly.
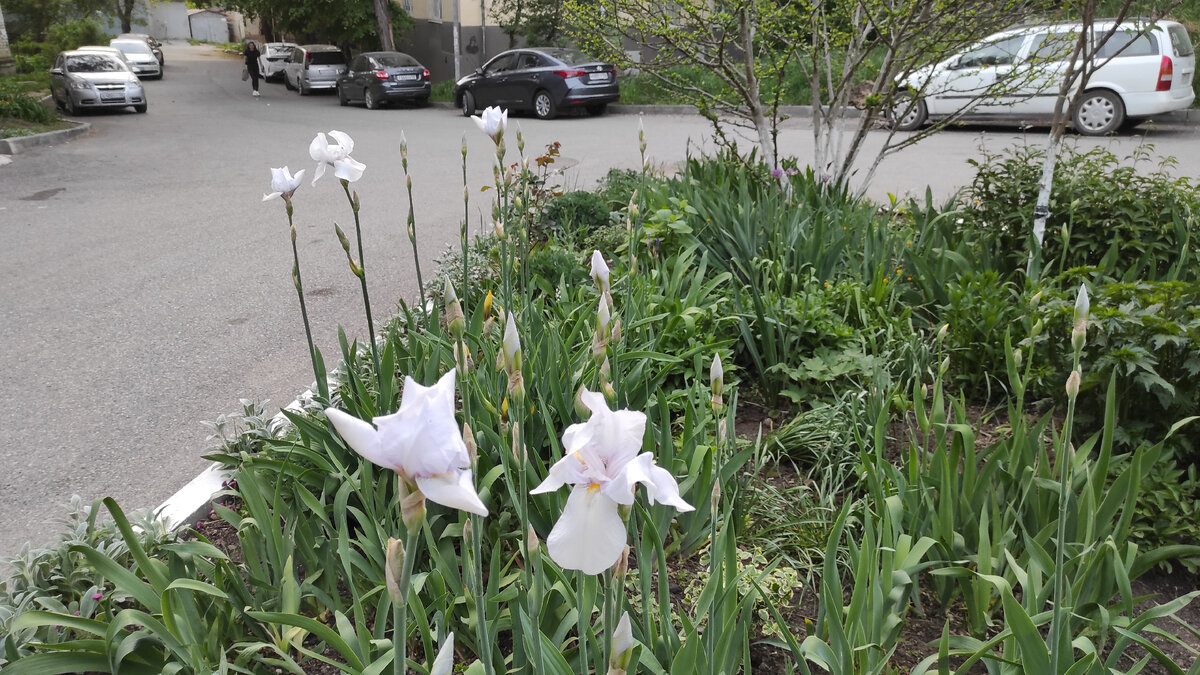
(311, 67)
(271, 57)
(140, 58)
(1141, 71)
(546, 80)
(155, 45)
(88, 80)
(376, 78)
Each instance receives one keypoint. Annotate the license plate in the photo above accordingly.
(411, 76)
(112, 97)
(599, 77)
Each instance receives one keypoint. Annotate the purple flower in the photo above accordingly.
(776, 173)
(97, 596)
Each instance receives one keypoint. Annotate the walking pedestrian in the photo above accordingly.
(251, 70)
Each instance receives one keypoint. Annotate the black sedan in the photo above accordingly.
(376, 78)
(544, 80)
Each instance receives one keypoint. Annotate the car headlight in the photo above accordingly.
(82, 85)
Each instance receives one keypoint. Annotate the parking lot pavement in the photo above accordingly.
(145, 286)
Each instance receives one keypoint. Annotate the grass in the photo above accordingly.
(11, 127)
(26, 82)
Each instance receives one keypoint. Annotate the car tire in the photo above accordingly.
(597, 109)
(543, 105)
(906, 115)
(1098, 112)
(342, 100)
(468, 104)
(287, 84)
(140, 108)
(369, 99)
(69, 106)
(301, 88)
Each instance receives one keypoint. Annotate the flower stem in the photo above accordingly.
(412, 235)
(400, 609)
(322, 384)
(362, 279)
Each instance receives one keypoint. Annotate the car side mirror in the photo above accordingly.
(56, 71)
(956, 63)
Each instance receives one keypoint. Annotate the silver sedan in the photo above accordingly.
(82, 80)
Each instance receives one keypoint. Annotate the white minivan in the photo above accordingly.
(1142, 70)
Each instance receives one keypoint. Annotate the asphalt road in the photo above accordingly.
(144, 286)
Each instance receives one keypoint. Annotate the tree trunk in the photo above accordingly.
(7, 65)
(762, 126)
(384, 17)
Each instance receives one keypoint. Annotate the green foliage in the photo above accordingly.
(980, 310)
(1129, 220)
(350, 23)
(574, 215)
(19, 105)
(550, 267)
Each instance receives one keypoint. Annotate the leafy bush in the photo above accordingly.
(76, 33)
(618, 187)
(575, 214)
(552, 266)
(1105, 212)
(17, 104)
(980, 309)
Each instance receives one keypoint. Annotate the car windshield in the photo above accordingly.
(568, 56)
(396, 60)
(132, 46)
(93, 63)
(326, 58)
(277, 50)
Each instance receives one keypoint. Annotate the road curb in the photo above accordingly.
(19, 144)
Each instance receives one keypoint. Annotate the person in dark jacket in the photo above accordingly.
(251, 54)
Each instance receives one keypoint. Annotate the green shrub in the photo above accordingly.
(981, 307)
(1105, 212)
(76, 33)
(619, 185)
(19, 105)
(553, 266)
(574, 215)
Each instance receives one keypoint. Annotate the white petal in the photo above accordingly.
(454, 489)
(622, 486)
(319, 172)
(295, 181)
(319, 149)
(343, 139)
(622, 638)
(362, 438)
(347, 168)
(423, 435)
(273, 195)
(600, 271)
(666, 490)
(716, 371)
(478, 120)
(568, 470)
(589, 536)
(444, 663)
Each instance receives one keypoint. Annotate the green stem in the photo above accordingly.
(400, 609)
(1063, 458)
(583, 617)
(322, 385)
(362, 279)
(412, 236)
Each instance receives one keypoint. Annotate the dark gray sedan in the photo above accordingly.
(543, 80)
(376, 78)
(82, 81)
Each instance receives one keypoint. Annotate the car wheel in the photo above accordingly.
(369, 99)
(69, 105)
(1098, 112)
(543, 105)
(342, 100)
(907, 114)
(301, 88)
(287, 84)
(597, 109)
(140, 108)
(468, 104)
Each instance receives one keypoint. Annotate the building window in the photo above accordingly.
(408, 6)
(435, 10)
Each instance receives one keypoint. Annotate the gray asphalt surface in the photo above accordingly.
(144, 286)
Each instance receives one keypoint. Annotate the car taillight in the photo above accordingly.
(381, 75)
(426, 76)
(307, 58)
(570, 73)
(1166, 73)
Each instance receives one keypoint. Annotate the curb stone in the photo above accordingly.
(19, 144)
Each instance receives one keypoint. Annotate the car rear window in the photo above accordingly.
(132, 46)
(396, 60)
(326, 58)
(1181, 44)
(1125, 43)
(277, 50)
(569, 56)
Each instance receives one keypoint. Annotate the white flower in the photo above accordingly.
(603, 465)
(443, 664)
(603, 317)
(622, 645)
(492, 122)
(600, 273)
(336, 155)
(421, 442)
(1082, 306)
(283, 183)
(716, 375)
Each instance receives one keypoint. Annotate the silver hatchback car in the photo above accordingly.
(313, 67)
(83, 80)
